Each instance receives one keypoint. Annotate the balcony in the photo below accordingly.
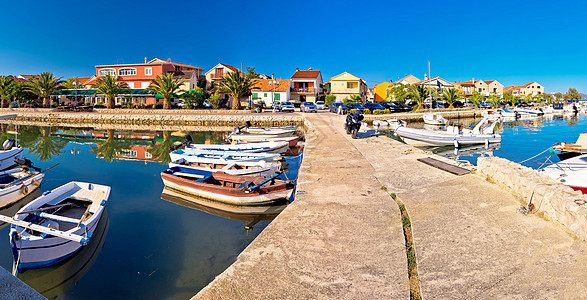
(307, 90)
(216, 76)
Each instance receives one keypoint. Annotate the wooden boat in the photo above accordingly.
(571, 172)
(249, 214)
(17, 183)
(565, 151)
(57, 224)
(8, 154)
(267, 147)
(54, 280)
(483, 133)
(258, 168)
(285, 131)
(434, 119)
(255, 138)
(203, 156)
(226, 188)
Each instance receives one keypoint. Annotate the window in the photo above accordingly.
(479, 90)
(127, 72)
(148, 71)
(131, 85)
(350, 85)
(148, 154)
(265, 95)
(277, 97)
(105, 72)
(144, 85)
(255, 96)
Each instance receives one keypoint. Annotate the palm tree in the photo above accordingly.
(46, 147)
(494, 99)
(44, 85)
(7, 89)
(237, 86)
(109, 149)
(165, 86)
(109, 87)
(418, 93)
(450, 96)
(160, 151)
(476, 98)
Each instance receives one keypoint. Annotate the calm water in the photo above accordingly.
(149, 247)
(523, 139)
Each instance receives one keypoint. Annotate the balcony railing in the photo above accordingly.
(302, 90)
(216, 76)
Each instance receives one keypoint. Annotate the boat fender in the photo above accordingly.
(456, 143)
(83, 241)
(82, 225)
(8, 144)
(103, 203)
(24, 189)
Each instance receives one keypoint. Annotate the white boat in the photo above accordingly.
(571, 172)
(257, 168)
(203, 156)
(491, 114)
(7, 156)
(56, 225)
(268, 147)
(506, 113)
(17, 183)
(285, 131)
(483, 133)
(244, 138)
(434, 119)
(529, 111)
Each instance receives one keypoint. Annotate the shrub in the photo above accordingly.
(381, 111)
(366, 111)
(328, 99)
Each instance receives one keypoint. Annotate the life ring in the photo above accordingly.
(24, 189)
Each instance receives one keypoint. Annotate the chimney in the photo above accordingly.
(169, 59)
(145, 59)
(297, 69)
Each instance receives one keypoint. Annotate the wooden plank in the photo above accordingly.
(444, 166)
(58, 233)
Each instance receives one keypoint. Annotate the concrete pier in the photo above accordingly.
(342, 236)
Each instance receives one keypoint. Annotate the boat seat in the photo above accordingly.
(95, 196)
(246, 184)
(57, 218)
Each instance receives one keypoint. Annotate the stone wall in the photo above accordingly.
(552, 199)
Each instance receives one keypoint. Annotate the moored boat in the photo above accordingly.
(257, 168)
(226, 188)
(571, 172)
(567, 150)
(253, 138)
(434, 119)
(56, 225)
(9, 153)
(267, 147)
(202, 156)
(285, 131)
(17, 183)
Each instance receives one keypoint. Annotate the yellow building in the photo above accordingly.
(346, 84)
(383, 91)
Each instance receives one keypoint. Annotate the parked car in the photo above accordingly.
(333, 107)
(402, 105)
(352, 105)
(320, 105)
(285, 106)
(308, 107)
(373, 106)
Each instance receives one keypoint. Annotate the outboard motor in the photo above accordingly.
(8, 144)
(353, 123)
(25, 163)
(187, 140)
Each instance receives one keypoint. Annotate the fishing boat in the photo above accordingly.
(571, 172)
(226, 188)
(56, 225)
(567, 150)
(285, 131)
(203, 156)
(434, 119)
(267, 147)
(17, 183)
(9, 153)
(256, 168)
(482, 133)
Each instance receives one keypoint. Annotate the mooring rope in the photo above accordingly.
(534, 156)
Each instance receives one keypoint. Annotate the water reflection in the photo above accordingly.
(52, 281)
(13, 208)
(250, 215)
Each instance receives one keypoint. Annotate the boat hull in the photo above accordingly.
(420, 137)
(268, 170)
(263, 147)
(7, 157)
(18, 191)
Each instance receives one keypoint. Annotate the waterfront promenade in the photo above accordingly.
(342, 237)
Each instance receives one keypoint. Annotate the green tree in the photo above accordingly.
(44, 85)
(400, 92)
(110, 87)
(45, 147)
(71, 83)
(165, 86)
(237, 86)
(509, 98)
(329, 99)
(215, 100)
(8, 89)
(352, 99)
(494, 100)
(251, 74)
(193, 98)
(110, 148)
(476, 98)
(558, 96)
(548, 98)
(529, 98)
(419, 93)
(572, 94)
(450, 96)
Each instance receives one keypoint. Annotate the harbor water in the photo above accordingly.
(150, 244)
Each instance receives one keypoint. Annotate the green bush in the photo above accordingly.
(381, 111)
(366, 111)
(328, 99)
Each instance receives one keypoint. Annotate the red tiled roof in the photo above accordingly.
(422, 81)
(265, 85)
(231, 67)
(306, 74)
(16, 79)
(184, 65)
(489, 81)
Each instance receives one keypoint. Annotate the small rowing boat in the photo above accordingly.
(9, 153)
(226, 188)
(267, 147)
(568, 150)
(285, 131)
(56, 225)
(255, 138)
(202, 156)
(17, 183)
(256, 168)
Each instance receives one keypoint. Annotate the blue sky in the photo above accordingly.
(514, 42)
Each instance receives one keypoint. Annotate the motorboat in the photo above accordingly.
(17, 183)
(529, 111)
(567, 150)
(434, 119)
(482, 133)
(57, 224)
(571, 172)
(203, 156)
(255, 168)
(10, 151)
(226, 188)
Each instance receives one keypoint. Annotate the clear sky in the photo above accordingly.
(515, 42)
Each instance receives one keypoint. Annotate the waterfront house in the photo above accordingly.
(383, 91)
(494, 87)
(371, 94)
(471, 86)
(346, 84)
(436, 83)
(307, 85)
(269, 91)
(408, 79)
(214, 77)
(532, 88)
